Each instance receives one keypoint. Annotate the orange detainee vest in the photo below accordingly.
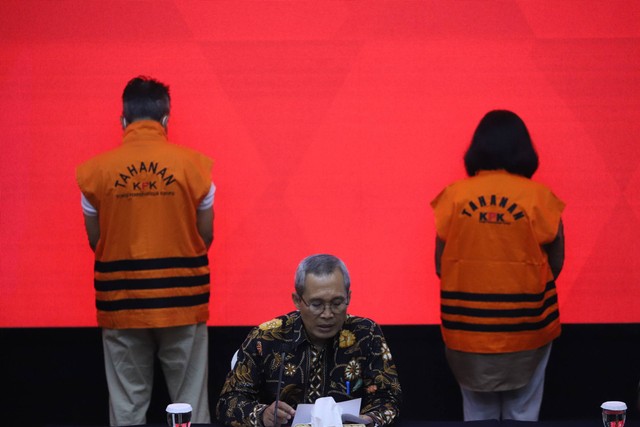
(498, 294)
(151, 266)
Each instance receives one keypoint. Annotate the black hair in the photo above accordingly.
(145, 98)
(501, 141)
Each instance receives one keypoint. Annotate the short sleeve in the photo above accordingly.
(87, 207)
(207, 202)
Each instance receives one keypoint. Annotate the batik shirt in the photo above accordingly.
(358, 356)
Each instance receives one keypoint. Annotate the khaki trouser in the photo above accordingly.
(129, 356)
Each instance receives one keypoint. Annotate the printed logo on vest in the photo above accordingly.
(493, 216)
(146, 179)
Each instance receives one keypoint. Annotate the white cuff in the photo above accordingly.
(87, 207)
(207, 202)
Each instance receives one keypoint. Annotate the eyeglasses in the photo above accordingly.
(318, 307)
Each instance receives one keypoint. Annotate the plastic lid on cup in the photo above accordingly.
(614, 405)
(178, 408)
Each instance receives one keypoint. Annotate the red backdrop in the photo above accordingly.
(332, 124)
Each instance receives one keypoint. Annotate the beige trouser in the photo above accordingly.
(129, 356)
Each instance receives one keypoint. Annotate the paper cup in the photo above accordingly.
(614, 413)
(179, 415)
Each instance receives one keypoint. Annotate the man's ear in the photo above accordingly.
(296, 300)
(123, 122)
(164, 120)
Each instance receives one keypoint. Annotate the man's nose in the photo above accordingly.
(326, 311)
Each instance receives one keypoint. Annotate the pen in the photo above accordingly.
(348, 388)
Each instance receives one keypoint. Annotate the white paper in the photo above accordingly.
(326, 413)
(350, 412)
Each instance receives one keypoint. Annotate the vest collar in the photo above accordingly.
(142, 130)
(492, 171)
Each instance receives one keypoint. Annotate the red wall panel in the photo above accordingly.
(332, 124)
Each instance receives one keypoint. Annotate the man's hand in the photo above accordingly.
(368, 419)
(285, 413)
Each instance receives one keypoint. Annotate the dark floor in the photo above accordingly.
(56, 375)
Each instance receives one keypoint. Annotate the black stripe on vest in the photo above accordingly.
(494, 312)
(154, 283)
(170, 302)
(516, 327)
(150, 264)
(477, 297)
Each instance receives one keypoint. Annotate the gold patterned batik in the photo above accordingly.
(357, 356)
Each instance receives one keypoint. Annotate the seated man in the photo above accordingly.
(326, 353)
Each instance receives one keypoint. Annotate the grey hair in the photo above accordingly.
(320, 265)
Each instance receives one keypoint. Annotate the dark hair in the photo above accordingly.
(145, 98)
(320, 265)
(501, 141)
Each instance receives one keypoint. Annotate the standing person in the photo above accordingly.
(148, 209)
(499, 249)
(327, 352)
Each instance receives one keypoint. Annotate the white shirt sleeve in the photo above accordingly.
(87, 207)
(207, 202)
